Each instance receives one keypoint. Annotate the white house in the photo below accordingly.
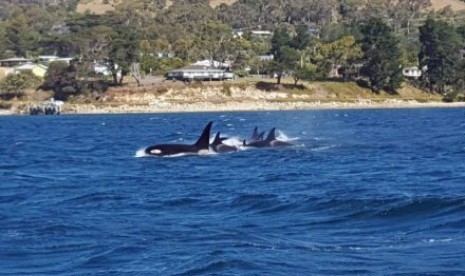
(212, 63)
(103, 69)
(411, 72)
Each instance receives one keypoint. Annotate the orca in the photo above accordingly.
(257, 136)
(270, 141)
(218, 146)
(202, 145)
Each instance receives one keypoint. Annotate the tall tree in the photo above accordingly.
(440, 54)
(20, 37)
(281, 50)
(123, 52)
(382, 56)
(341, 52)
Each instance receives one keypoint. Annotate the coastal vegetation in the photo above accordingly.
(353, 43)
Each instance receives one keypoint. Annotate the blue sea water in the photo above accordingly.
(362, 192)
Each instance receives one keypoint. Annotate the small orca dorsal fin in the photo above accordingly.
(244, 143)
(261, 135)
(204, 140)
(255, 134)
(217, 139)
(272, 135)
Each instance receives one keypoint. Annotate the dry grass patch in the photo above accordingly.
(456, 5)
(216, 3)
(94, 6)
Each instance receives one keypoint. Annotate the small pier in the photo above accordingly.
(50, 107)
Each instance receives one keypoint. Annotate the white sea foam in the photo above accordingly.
(283, 137)
(140, 153)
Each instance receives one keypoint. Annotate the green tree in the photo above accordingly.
(20, 37)
(382, 56)
(61, 78)
(440, 53)
(341, 52)
(14, 85)
(123, 51)
(284, 56)
(3, 45)
(214, 41)
(307, 72)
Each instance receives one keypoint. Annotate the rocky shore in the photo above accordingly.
(163, 107)
(220, 98)
(161, 99)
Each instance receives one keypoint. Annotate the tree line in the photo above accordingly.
(370, 41)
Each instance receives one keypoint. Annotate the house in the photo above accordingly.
(313, 32)
(49, 59)
(212, 63)
(198, 72)
(266, 57)
(165, 55)
(104, 69)
(46, 59)
(411, 72)
(38, 70)
(238, 33)
(261, 33)
(12, 62)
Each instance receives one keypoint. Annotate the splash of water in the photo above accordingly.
(140, 153)
(283, 137)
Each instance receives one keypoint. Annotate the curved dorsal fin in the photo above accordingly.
(261, 135)
(254, 134)
(272, 135)
(217, 139)
(204, 140)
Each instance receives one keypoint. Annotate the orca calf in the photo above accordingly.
(270, 141)
(218, 146)
(202, 145)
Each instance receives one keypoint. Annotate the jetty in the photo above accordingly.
(50, 107)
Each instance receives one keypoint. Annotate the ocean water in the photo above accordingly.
(361, 192)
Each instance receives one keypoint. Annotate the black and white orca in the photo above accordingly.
(257, 136)
(218, 146)
(270, 141)
(200, 147)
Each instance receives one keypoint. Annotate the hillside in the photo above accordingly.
(94, 6)
(456, 5)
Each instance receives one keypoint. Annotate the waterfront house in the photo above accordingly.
(13, 62)
(411, 72)
(199, 72)
(38, 70)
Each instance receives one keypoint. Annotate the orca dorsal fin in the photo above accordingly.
(204, 140)
(255, 134)
(217, 139)
(261, 135)
(272, 135)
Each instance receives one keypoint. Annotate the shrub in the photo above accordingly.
(241, 73)
(14, 85)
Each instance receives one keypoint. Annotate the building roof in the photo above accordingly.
(211, 63)
(197, 68)
(17, 60)
(30, 66)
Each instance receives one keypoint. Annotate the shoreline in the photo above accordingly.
(249, 106)
(229, 98)
(196, 107)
